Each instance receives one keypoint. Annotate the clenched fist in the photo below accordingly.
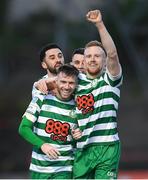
(76, 133)
(94, 16)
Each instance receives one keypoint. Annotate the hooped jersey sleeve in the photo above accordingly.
(35, 91)
(114, 81)
(28, 119)
(26, 131)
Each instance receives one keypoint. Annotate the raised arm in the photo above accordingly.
(112, 63)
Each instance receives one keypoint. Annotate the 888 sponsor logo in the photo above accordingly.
(85, 103)
(57, 129)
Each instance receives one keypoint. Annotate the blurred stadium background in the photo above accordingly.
(26, 25)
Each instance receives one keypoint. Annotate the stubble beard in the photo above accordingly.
(93, 73)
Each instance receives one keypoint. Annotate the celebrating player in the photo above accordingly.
(49, 125)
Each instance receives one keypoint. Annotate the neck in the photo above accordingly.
(93, 76)
(60, 98)
(51, 74)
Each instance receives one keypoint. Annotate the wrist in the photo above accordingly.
(42, 145)
(99, 23)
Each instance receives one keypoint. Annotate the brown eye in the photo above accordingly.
(88, 56)
(76, 62)
(60, 55)
(97, 55)
(51, 57)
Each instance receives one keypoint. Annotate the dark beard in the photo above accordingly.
(53, 71)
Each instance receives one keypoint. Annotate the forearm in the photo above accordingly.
(106, 39)
(112, 63)
(26, 131)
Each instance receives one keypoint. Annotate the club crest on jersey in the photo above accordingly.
(72, 113)
(94, 83)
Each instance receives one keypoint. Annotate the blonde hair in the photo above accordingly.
(95, 43)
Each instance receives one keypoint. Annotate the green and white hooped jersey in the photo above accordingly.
(97, 105)
(35, 91)
(53, 120)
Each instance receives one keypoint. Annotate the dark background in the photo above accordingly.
(26, 25)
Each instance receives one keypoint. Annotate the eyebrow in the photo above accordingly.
(52, 55)
(76, 60)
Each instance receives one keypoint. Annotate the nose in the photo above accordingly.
(58, 59)
(93, 58)
(81, 65)
(67, 86)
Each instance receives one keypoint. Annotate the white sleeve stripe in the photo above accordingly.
(113, 78)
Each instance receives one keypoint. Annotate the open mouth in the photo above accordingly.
(66, 93)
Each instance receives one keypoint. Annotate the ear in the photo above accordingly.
(44, 66)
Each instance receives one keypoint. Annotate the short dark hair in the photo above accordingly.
(47, 47)
(78, 51)
(68, 69)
